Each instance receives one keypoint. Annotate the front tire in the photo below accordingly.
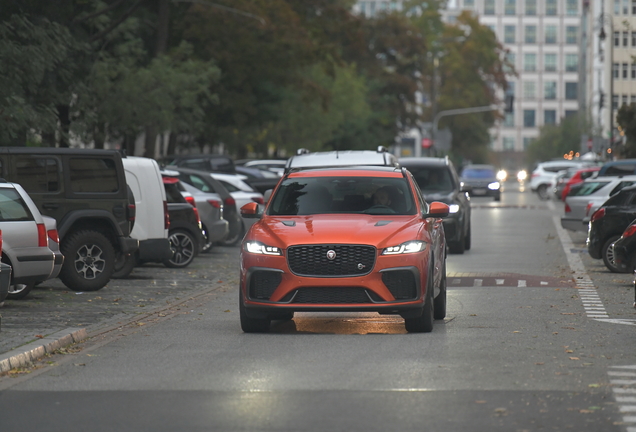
(542, 191)
(439, 305)
(184, 248)
(252, 325)
(89, 261)
(19, 291)
(424, 322)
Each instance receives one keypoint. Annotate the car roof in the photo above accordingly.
(380, 157)
(424, 161)
(377, 171)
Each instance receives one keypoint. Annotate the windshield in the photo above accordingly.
(478, 173)
(588, 188)
(433, 180)
(328, 195)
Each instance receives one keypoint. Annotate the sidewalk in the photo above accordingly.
(53, 317)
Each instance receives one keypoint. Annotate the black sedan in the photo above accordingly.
(482, 181)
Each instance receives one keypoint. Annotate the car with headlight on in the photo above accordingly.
(447, 189)
(482, 180)
(355, 239)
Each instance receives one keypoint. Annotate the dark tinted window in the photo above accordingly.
(173, 195)
(620, 186)
(478, 173)
(37, 175)
(619, 169)
(93, 175)
(320, 195)
(13, 207)
(433, 179)
(588, 188)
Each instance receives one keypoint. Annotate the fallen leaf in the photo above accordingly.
(539, 363)
(594, 385)
(480, 401)
(569, 351)
(227, 310)
(140, 323)
(574, 358)
(39, 336)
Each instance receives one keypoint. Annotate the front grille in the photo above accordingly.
(263, 284)
(350, 260)
(401, 283)
(332, 295)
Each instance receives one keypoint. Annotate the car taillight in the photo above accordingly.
(190, 200)
(53, 235)
(166, 216)
(598, 214)
(587, 209)
(258, 200)
(42, 237)
(196, 213)
(630, 231)
(229, 201)
(215, 203)
(567, 208)
(132, 212)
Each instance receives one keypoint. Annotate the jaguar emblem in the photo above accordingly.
(361, 266)
(331, 255)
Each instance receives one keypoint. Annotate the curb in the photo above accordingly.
(33, 351)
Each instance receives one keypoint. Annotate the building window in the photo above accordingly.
(469, 3)
(617, 39)
(531, 34)
(633, 70)
(510, 7)
(550, 62)
(529, 62)
(615, 70)
(529, 90)
(551, 7)
(511, 59)
(633, 39)
(625, 38)
(617, 7)
(508, 143)
(615, 101)
(549, 117)
(509, 119)
(570, 113)
(549, 89)
(571, 34)
(550, 34)
(624, 100)
(509, 34)
(625, 7)
(531, 7)
(571, 62)
(572, 7)
(633, 99)
(489, 7)
(625, 71)
(571, 90)
(526, 142)
(633, 7)
(528, 118)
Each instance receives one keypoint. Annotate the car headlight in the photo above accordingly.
(256, 247)
(405, 248)
(494, 186)
(453, 208)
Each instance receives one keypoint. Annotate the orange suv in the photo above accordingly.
(356, 239)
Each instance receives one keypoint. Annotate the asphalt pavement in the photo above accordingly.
(52, 317)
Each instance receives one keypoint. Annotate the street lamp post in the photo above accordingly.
(602, 36)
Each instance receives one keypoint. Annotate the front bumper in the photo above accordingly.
(394, 286)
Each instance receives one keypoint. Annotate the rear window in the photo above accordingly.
(37, 174)
(93, 175)
(12, 207)
(619, 169)
(432, 180)
(328, 195)
(589, 188)
(478, 173)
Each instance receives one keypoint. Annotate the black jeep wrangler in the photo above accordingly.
(87, 194)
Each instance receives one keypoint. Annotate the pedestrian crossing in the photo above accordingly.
(623, 382)
(505, 280)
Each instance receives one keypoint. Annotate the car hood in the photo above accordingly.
(379, 231)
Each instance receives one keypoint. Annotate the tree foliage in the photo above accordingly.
(555, 141)
(626, 119)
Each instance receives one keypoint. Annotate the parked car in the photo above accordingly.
(185, 233)
(276, 166)
(450, 191)
(152, 221)
(624, 249)
(25, 241)
(210, 208)
(482, 180)
(542, 176)
(619, 167)
(205, 183)
(579, 175)
(588, 196)
(5, 277)
(85, 191)
(608, 223)
(305, 159)
(260, 180)
(202, 162)
(312, 250)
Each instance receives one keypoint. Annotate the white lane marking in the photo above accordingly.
(622, 374)
(543, 283)
(499, 281)
(625, 398)
(623, 382)
(456, 281)
(521, 283)
(627, 408)
(478, 282)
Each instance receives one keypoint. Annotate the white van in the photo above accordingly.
(151, 221)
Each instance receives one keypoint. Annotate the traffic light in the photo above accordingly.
(510, 101)
(601, 100)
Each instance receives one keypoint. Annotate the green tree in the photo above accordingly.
(555, 141)
(626, 119)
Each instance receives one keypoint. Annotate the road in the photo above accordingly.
(538, 337)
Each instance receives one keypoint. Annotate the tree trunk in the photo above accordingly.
(99, 136)
(63, 114)
(150, 144)
(48, 139)
(163, 21)
(172, 144)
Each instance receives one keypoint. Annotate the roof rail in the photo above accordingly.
(382, 149)
(302, 151)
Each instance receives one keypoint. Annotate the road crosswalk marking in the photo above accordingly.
(622, 388)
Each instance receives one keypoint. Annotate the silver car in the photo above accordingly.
(210, 208)
(25, 241)
(587, 197)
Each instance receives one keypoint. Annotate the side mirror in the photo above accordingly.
(437, 210)
(252, 211)
(267, 195)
